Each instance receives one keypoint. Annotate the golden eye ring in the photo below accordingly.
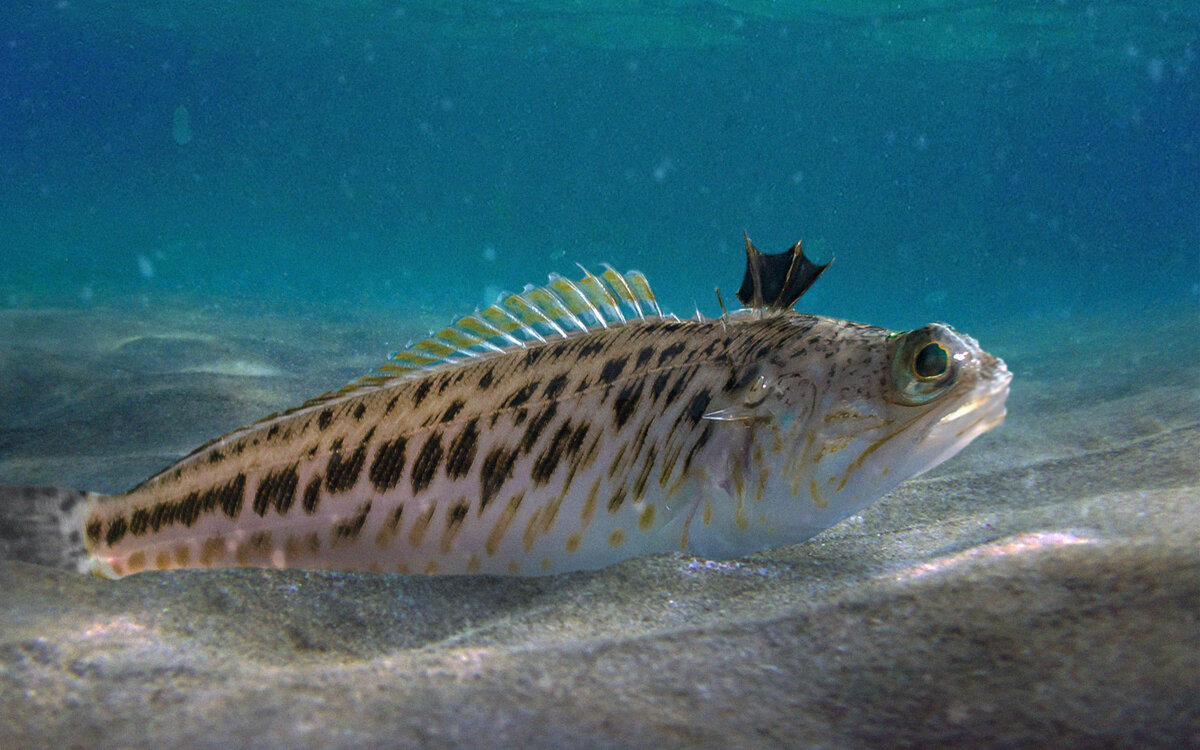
(923, 366)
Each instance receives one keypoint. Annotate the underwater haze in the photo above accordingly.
(961, 162)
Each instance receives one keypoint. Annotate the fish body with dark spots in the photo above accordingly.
(565, 428)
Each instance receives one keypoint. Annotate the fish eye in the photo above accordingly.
(923, 367)
(931, 361)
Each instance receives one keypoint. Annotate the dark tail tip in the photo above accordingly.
(43, 526)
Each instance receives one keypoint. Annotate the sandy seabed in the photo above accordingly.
(1042, 588)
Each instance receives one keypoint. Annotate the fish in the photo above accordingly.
(567, 427)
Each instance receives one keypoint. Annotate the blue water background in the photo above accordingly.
(400, 158)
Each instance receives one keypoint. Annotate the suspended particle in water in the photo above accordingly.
(662, 169)
(145, 267)
(1155, 68)
(181, 125)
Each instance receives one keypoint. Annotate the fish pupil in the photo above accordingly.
(931, 361)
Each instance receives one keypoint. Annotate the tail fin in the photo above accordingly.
(43, 525)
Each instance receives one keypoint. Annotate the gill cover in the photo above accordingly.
(767, 396)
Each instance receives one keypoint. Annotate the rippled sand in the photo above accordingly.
(1043, 587)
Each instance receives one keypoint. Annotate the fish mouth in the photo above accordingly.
(982, 409)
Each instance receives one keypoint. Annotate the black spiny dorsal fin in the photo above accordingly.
(775, 282)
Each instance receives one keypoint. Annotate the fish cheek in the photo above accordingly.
(795, 397)
(782, 398)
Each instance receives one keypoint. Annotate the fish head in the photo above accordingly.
(841, 413)
(891, 406)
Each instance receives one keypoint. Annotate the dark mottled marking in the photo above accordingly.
(93, 530)
(612, 369)
(660, 382)
(425, 465)
(496, 470)
(461, 454)
(486, 379)
(670, 353)
(351, 527)
(391, 404)
(626, 402)
(458, 512)
(388, 465)
(614, 502)
(639, 438)
(545, 464)
(271, 433)
(260, 541)
(139, 522)
(452, 410)
(359, 411)
(668, 463)
(644, 356)
(216, 457)
(521, 395)
(312, 495)
(444, 383)
(536, 424)
(612, 468)
(700, 441)
(393, 519)
(520, 416)
(592, 345)
(416, 534)
(555, 386)
(229, 497)
(454, 520)
(698, 407)
(188, 509)
(238, 448)
(422, 391)
(163, 514)
(324, 418)
(277, 488)
(533, 354)
(639, 484)
(65, 503)
(584, 384)
(577, 438)
(116, 530)
(677, 388)
(342, 473)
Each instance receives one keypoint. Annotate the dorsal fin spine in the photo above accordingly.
(504, 320)
(484, 330)
(641, 290)
(556, 308)
(621, 287)
(599, 295)
(576, 301)
(529, 316)
(562, 308)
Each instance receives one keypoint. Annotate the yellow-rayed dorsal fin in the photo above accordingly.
(560, 309)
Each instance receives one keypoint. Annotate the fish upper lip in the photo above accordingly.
(988, 400)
